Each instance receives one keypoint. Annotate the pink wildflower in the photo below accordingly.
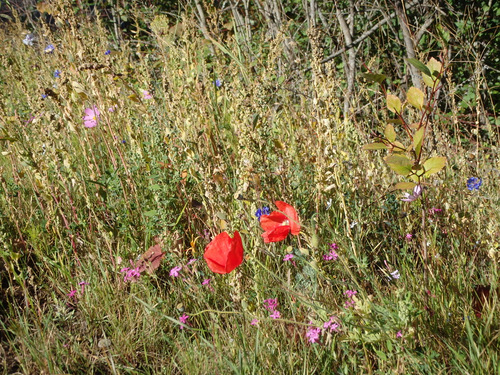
(350, 301)
(313, 334)
(183, 319)
(205, 282)
(275, 315)
(130, 273)
(174, 272)
(82, 284)
(146, 94)
(191, 261)
(288, 257)
(399, 334)
(409, 236)
(254, 322)
(91, 118)
(271, 304)
(71, 293)
(331, 325)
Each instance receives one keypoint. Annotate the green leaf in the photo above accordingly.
(415, 97)
(151, 213)
(399, 164)
(405, 185)
(434, 165)
(374, 77)
(381, 355)
(390, 133)
(419, 65)
(418, 138)
(393, 103)
(375, 146)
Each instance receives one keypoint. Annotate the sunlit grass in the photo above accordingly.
(192, 158)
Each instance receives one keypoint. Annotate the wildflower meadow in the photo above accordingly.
(249, 187)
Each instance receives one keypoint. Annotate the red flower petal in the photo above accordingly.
(224, 253)
(291, 215)
(277, 234)
(273, 220)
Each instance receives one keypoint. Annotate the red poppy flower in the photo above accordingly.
(277, 225)
(224, 253)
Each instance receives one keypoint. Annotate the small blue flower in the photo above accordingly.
(218, 83)
(44, 96)
(49, 49)
(262, 211)
(57, 73)
(474, 183)
(108, 52)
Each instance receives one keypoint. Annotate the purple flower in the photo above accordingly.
(183, 319)
(57, 73)
(313, 334)
(174, 272)
(399, 334)
(91, 118)
(49, 49)
(288, 257)
(474, 183)
(44, 96)
(218, 83)
(417, 191)
(409, 236)
(108, 52)
(205, 282)
(262, 211)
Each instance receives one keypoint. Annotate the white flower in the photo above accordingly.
(417, 191)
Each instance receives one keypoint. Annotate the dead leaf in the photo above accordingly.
(151, 259)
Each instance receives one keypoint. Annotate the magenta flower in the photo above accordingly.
(183, 319)
(271, 304)
(254, 322)
(399, 334)
(313, 334)
(205, 282)
(131, 273)
(71, 293)
(288, 257)
(191, 261)
(275, 315)
(174, 272)
(350, 301)
(82, 285)
(91, 118)
(331, 325)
